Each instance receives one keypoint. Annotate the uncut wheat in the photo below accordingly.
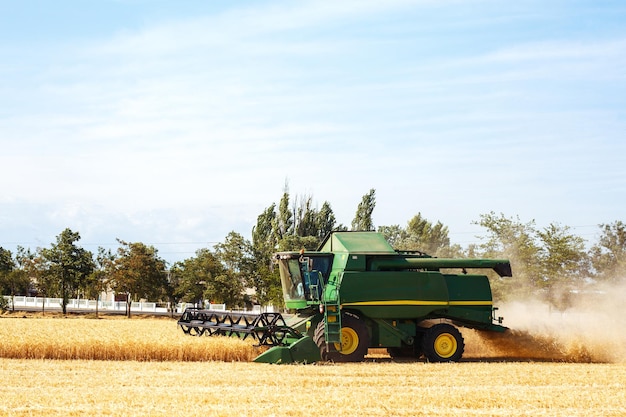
(114, 339)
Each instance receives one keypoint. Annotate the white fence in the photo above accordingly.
(84, 304)
(22, 302)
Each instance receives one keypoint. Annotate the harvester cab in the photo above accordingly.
(303, 277)
(356, 292)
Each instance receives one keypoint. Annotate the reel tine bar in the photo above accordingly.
(266, 328)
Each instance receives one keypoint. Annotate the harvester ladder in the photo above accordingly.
(332, 321)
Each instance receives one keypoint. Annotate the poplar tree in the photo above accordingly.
(325, 221)
(363, 217)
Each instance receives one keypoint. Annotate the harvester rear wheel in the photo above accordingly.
(354, 341)
(443, 343)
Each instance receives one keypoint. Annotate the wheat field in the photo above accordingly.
(131, 388)
(148, 367)
(114, 338)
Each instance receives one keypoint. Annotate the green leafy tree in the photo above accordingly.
(264, 238)
(236, 255)
(265, 279)
(325, 221)
(422, 235)
(295, 243)
(312, 226)
(274, 232)
(193, 276)
(6, 262)
(280, 228)
(510, 238)
(13, 278)
(266, 282)
(6, 270)
(97, 282)
(284, 221)
(68, 264)
(226, 288)
(394, 234)
(33, 267)
(305, 217)
(564, 264)
(138, 272)
(363, 218)
(608, 256)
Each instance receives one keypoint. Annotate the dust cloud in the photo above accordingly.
(592, 330)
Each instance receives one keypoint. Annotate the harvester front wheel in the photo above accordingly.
(354, 341)
(443, 343)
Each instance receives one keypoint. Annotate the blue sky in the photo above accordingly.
(173, 123)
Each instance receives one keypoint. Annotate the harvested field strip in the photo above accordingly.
(101, 388)
(114, 339)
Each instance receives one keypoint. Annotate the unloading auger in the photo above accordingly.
(356, 292)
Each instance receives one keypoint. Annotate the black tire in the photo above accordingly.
(443, 343)
(355, 340)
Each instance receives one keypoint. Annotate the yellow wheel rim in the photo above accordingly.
(445, 345)
(349, 341)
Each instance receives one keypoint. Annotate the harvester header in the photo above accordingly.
(356, 292)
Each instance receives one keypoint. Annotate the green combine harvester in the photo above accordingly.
(356, 292)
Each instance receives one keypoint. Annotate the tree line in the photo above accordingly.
(550, 263)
